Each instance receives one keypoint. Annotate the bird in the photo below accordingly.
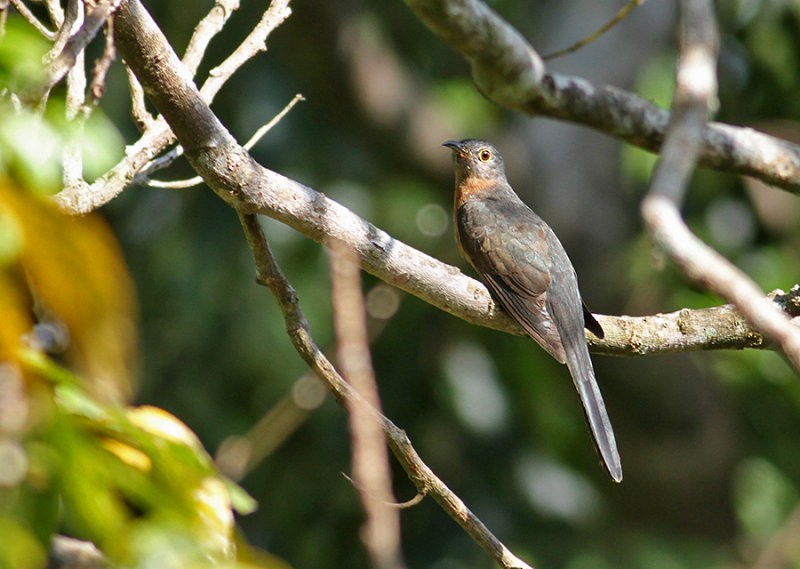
(528, 273)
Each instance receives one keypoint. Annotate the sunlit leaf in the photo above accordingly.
(75, 273)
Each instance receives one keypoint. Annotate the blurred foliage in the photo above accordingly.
(32, 141)
(134, 480)
(708, 440)
(74, 458)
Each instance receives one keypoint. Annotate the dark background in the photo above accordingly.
(708, 440)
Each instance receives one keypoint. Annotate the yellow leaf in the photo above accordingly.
(131, 456)
(76, 276)
(158, 422)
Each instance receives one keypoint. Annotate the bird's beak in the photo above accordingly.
(454, 145)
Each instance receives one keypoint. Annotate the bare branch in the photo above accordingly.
(67, 22)
(695, 95)
(103, 64)
(205, 31)
(248, 187)
(505, 68)
(269, 274)
(112, 183)
(23, 11)
(618, 17)
(254, 43)
(72, 159)
(167, 159)
(716, 328)
(55, 11)
(143, 119)
(75, 45)
(381, 532)
(503, 63)
(259, 134)
(158, 136)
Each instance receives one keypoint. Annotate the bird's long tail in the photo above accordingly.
(582, 371)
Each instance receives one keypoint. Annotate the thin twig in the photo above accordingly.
(55, 11)
(618, 17)
(254, 43)
(418, 497)
(143, 119)
(72, 159)
(269, 274)
(75, 45)
(205, 31)
(167, 159)
(23, 11)
(67, 22)
(159, 136)
(259, 134)
(381, 532)
(103, 64)
(76, 75)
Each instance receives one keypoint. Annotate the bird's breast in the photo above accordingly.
(472, 187)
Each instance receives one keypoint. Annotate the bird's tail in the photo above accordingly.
(582, 371)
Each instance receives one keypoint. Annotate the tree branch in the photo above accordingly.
(253, 44)
(371, 469)
(695, 95)
(250, 188)
(157, 134)
(25, 12)
(269, 274)
(75, 45)
(205, 31)
(507, 74)
(685, 135)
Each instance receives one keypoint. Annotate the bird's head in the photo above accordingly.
(475, 158)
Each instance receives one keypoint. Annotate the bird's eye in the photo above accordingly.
(485, 155)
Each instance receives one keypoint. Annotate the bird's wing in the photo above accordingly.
(512, 261)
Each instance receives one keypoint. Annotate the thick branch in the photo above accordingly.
(247, 186)
(470, 27)
(503, 64)
(717, 328)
